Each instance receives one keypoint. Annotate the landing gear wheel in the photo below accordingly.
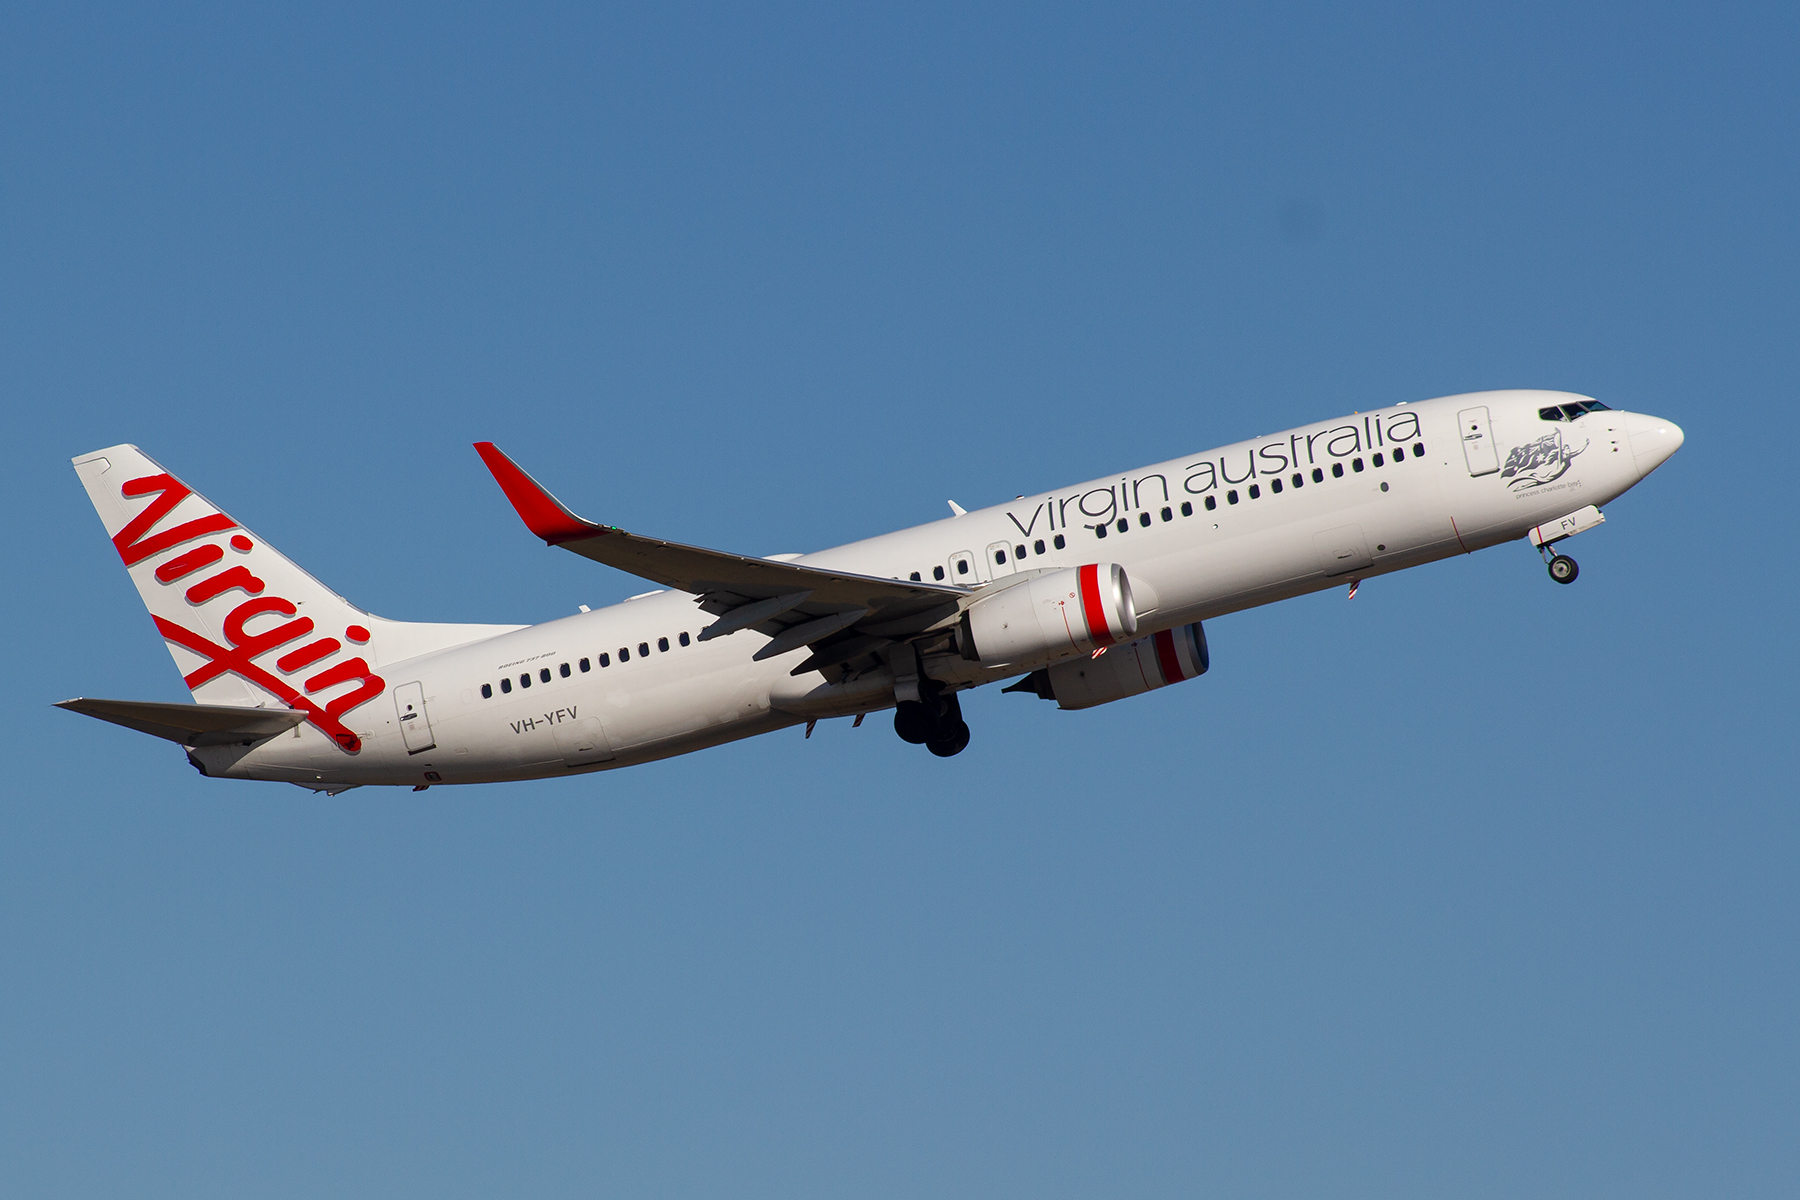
(1563, 569)
(914, 722)
(954, 739)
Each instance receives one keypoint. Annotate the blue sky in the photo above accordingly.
(1476, 886)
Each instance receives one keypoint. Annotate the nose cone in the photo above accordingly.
(1652, 441)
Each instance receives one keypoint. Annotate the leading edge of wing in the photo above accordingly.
(693, 568)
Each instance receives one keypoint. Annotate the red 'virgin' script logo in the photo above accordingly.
(139, 540)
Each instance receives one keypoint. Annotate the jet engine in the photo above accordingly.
(1144, 665)
(1051, 617)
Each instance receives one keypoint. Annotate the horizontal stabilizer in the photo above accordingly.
(191, 724)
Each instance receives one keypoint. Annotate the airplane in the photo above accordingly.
(1084, 595)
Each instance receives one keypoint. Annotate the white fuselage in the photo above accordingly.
(1291, 513)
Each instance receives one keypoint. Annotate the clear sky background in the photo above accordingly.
(1476, 886)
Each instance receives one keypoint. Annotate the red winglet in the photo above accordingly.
(540, 511)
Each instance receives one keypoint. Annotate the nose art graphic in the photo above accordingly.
(1537, 463)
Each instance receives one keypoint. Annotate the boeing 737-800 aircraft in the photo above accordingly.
(1086, 595)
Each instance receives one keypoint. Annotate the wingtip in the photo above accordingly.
(542, 513)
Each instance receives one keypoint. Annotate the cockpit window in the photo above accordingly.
(1568, 412)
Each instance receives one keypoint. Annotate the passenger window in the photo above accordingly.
(662, 645)
(1337, 470)
(1187, 508)
(1299, 479)
(1319, 476)
(506, 685)
(1037, 547)
(624, 654)
(1256, 491)
(999, 556)
(1378, 461)
(962, 566)
(1356, 464)
(1212, 502)
(1058, 541)
(606, 660)
(1399, 454)
(1144, 519)
(564, 671)
(544, 674)
(1124, 524)
(1167, 515)
(643, 649)
(1275, 486)
(525, 680)
(1418, 449)
(1099, 531)
(1018, 553)
(585, 666)
(487, 691)
(914, 577)
(1231, 496)
(684, 637)
(937, 572)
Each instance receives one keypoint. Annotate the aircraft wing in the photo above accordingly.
(796, 605)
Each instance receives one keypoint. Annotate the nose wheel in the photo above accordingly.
(1562, 567)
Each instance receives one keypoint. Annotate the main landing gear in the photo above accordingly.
(935, 722)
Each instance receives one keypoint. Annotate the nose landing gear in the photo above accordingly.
(933, 721)
(1562, 567)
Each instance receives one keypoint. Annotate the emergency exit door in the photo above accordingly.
(1478, 446)
(415, 726)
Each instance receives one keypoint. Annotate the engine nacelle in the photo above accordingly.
(1051, 617)
(1148, 663)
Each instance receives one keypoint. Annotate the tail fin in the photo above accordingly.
(247, 628)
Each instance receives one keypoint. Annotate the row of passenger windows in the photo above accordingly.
(1297, 481)
(1276, 486)
(1019, 553)
(584, 665)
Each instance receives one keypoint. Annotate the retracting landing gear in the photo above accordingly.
(935, 721)
(1562, 567)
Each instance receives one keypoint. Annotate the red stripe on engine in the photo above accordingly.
(1166, 657)
(1087, 579)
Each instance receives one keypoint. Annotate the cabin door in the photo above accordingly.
(415, 726)
(1478, 446)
